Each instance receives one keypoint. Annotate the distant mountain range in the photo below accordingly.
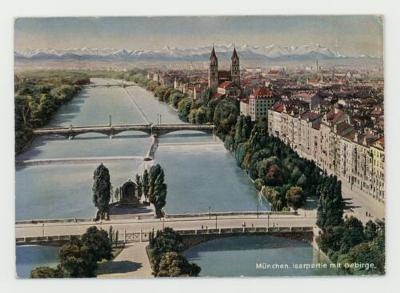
(272, 52)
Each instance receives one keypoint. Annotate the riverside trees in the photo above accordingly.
(165, 250)
(38, 95)
(79, 257)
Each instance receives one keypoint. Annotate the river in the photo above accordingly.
(200, 173)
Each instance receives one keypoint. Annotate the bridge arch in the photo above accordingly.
(192, 240)
(161, 132)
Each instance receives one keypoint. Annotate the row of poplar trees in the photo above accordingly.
(152, 186)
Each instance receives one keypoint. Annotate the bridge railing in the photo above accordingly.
(243, 213)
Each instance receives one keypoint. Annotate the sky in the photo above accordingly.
(350, 35)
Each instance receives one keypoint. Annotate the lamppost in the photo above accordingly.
(109, 120)
(209, 212)
(258, 203)
(158, 118)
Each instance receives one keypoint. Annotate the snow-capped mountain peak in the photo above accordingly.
(273, 51)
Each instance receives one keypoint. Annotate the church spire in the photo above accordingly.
(213, 55)
(235, 67)
(213, 71)
(234, 54)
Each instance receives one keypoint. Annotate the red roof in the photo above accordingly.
(225, 84)
(278, 107)
(263, 92)
(310, 115)
(334, 115)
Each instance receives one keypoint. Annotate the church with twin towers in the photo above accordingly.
(217, 77)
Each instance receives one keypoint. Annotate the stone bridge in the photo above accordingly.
(111, 130)
(190, 237)
(195, 228)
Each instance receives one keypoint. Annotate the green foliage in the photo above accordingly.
(98, 243)
(78, 258)
(241, 151)
(274, 197)
(38, 95)
(175, 98)
(258, 183)
(330, 205)
(76, 261)
(139, 185)
(348, 243)
(184, 109)
(173, 264)
(225, 116)
(146, 184)
(46, 272)
(101, 190)
(198, 116)
(165, 255)
(295, 197)
(157, 188)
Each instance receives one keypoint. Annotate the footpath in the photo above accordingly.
(132, 262)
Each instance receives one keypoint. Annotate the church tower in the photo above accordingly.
(213, 71)
(235, 68)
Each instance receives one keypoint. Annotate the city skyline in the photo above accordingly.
(349, 35)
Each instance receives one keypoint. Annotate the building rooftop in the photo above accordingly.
(263, 92)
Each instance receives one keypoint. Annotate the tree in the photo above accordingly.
(242, 129)
(274, 176)
(184, 107)
(101, 191)
(78, 258)
(173, 264)
(330, 205)
(46, 272)
(353, 234)
(371, 230)
(98, 243)
(158, 189)
(165, 241)
(76, 261)
(225, 116)
(294, 197)
(201, 115)
(146, 184)
(175, 98)
(139, 185)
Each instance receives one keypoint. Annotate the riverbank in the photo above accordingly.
(38, 96)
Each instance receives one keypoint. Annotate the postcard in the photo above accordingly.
(199, 146)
